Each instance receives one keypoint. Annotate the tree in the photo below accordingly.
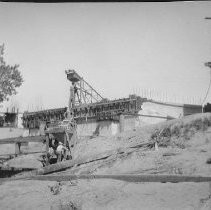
(10, 78)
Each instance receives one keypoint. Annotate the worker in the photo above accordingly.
(51, 156)
(61, 150)
(68, 153)
(55, 143)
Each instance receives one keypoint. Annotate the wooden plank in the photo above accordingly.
(22, 139)
(55, 130)
(128, 177)
(22, 153)
(153, 116)
(136, 178)
(3, 168)
(61, 166)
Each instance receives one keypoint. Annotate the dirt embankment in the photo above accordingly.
(184, 146)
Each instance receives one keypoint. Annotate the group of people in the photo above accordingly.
(57, 151)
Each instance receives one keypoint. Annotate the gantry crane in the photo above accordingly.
(81, 93)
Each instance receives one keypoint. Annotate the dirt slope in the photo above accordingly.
(184, 145)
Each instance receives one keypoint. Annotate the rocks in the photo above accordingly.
(55, 189)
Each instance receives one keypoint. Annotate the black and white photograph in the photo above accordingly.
(105, 105)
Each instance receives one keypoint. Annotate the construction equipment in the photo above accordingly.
(85, 104)
(60, 137)
(62, 134)
(83, 92)
(99, 111)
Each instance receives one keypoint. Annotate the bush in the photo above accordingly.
(176, 132)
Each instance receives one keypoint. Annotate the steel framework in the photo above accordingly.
(85, 103)
(84, 93)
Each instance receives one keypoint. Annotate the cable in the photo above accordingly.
(207, 90)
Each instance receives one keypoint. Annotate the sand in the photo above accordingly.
(114, 194)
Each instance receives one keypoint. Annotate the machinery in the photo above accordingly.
(85, 104)
(61, 134)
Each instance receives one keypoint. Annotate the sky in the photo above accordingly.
(119, 48)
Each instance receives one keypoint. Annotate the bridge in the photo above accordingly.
(88, 105)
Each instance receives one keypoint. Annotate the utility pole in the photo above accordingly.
(207, 64)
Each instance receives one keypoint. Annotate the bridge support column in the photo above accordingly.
(47, 149)
(121, 123)
(17, 148)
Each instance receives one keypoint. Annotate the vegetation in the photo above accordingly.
(10, 78)
(177, 132)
